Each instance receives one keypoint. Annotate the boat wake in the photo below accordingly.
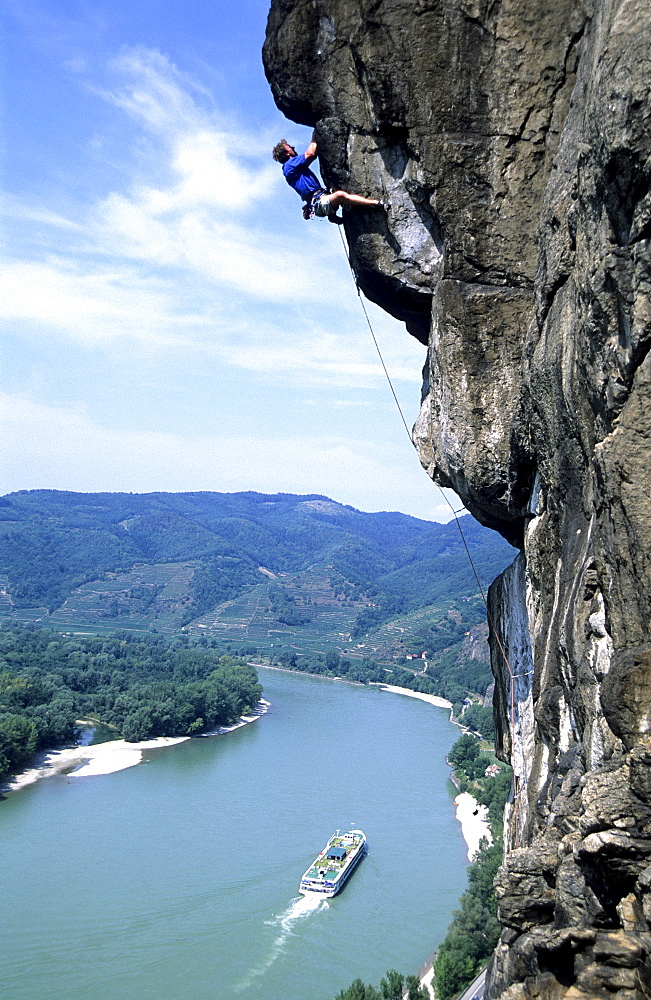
(299, 908)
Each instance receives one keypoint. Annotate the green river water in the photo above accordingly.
(177, 879)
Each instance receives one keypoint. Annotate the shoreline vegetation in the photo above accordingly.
(433, 699)
(484, 787)
(107, 758)
(150, 686)
(445, 676)
(142, 687)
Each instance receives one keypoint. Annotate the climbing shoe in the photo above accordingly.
(337, 219)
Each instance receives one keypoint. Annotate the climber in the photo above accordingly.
(317, 201)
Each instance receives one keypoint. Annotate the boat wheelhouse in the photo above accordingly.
(336, 862)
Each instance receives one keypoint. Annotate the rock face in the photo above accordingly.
(513, 141)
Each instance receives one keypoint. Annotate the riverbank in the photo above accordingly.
(432, 699)
(304, 673)
(474, 826)
(106, 758)
(474, 822)
(472, 816)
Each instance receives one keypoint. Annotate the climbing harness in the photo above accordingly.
(518, 787)
(309, 206)
(309, 209)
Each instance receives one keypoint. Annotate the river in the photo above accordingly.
(177, 879)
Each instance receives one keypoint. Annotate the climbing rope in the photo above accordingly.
(377, 346)
(517, 790)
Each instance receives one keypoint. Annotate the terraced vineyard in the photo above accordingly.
(252, 569)
(10, 613)
(250, 619)
(147, 595)
(395, 637)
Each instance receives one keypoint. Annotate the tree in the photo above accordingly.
(393, 986)
(414, 990)
(480, 719)
(464, 751)
(474, 930)
(332, 659)
(452, 971)
(18, 738)
(358, 991)
(494, 793)
(137, 726)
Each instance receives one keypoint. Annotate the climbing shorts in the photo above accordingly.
(322, 206)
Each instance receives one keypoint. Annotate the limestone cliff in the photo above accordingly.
(512, 141)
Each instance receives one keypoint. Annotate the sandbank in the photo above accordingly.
(260, 709)
(426, 979)
(474, 822)
(106, 758)
(433, 699)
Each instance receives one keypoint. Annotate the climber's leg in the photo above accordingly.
(347, 200)
(328, 204)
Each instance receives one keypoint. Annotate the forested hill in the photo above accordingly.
(304, 564)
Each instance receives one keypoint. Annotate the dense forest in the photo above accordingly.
(142, 686)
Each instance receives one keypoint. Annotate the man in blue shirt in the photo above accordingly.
(317, 201)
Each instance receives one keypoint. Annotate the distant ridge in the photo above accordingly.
(270, 569)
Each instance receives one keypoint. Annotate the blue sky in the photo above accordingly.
(169, 321)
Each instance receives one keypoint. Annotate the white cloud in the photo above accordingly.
(12, 209)
(92, 305)
(174, 261)
(195, 221)
(193, 227)
(210, 160)
(224, 253)
(208, 176)
(154, 90)
(123, 303)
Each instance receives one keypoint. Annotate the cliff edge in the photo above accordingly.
(512, 142)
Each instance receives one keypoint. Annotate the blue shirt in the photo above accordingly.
(298, 174)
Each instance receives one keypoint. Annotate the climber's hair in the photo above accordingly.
(280, 154)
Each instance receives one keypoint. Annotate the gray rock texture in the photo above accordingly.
(512, 142)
